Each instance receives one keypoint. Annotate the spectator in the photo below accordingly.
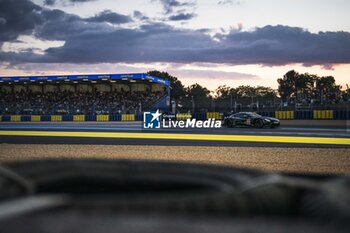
(65, 102)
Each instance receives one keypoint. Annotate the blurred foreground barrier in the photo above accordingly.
(128, 117)
(213, 115)
(183, 116)
(285, 115)
(323, 114)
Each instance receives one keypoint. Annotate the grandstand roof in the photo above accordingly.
(86, 77)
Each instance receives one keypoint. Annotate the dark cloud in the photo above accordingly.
(279, 45)
(270, 45)
(18, 18)
(170, 5)
(97, 42)
(49, 2)
(64, 2)
(81, 1)
(140, 15)
(59, 25)
(182, 16)
(110, 17)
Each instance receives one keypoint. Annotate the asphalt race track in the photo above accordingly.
(131, 133)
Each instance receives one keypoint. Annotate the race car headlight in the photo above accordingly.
(267, 120)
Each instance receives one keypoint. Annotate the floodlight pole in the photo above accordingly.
(193, 104)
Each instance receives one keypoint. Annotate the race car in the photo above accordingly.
(250, 119)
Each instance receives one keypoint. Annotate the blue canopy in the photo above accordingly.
(86, 77)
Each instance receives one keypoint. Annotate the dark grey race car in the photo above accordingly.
(250, 119)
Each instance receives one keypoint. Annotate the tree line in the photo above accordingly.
(293, 88)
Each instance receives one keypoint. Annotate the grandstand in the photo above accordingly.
(83, 94)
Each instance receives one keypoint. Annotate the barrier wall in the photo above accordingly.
(15, 118)
(323, 114)
(102, 117)
(213, 115)
(183, 116)
(56, 118)
(283, 115)
(78, 117)
(128, 117)
(35, 118)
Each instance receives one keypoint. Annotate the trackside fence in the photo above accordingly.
(284, 115)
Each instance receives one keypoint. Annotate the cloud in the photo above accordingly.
(280, 45)
(213, 74)
(182, 16)
(170, 5)
(18, 18)
(100, 42)
(110, 17)
(230, 2)
(64, 2)
(140, 15)
(49, 2)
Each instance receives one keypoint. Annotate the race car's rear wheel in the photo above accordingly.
(231, 124)
(259, 123)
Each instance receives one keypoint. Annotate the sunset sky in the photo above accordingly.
(211, 42)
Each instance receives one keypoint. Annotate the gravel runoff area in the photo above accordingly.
(275, 159)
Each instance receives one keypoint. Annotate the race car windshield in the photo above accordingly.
(252, 114)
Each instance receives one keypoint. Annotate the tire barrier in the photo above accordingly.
(284, 115)
(56, 118)
(139, 117)
(78, 117)
(303, 115)
(200, 116)
(213, 115)
(183, 116)
(341, 114)
(323, 114)
(15, 118)
(35, 118)
(128, 117)
(268, 114)
(102, 117)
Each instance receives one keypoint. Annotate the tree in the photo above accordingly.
(286, 85)
(265, 92)
(222, 92)
(198, 92)
(326, 90)
(177, 88)
(301, 88)
(246, 91)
